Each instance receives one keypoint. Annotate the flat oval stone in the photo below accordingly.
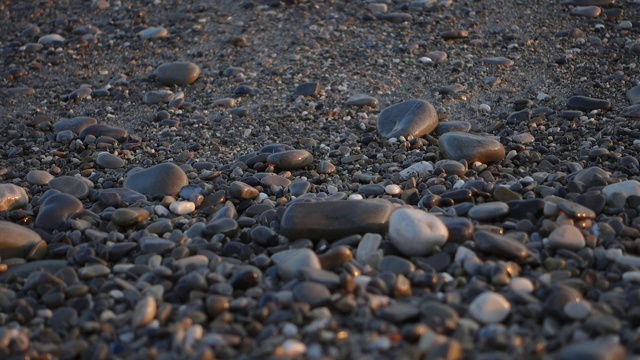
(503, 61)
(129, 216)
(587, 104)
(51, 39)
(99, 130)
(587, 11)
(70, 185)
(155, 245)
(161, 179)
(290, 159)
(76, 124)
(56, 210)
(500, 245)
(490, 308)
(16, 241)
(334, 219)
(360, 100)
(490, 211)
(275, 180)
(38, 177)
(415, 232)
(12, 197)
(566, 237)
(179, 73)
(471, 147)
(290, 262)
(411, 119)
(109, 161)
(157, 32)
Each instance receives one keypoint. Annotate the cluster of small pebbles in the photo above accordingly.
(320, 179)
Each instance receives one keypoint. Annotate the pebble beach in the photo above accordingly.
(340, 179)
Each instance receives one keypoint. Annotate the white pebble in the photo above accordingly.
(293, 348)
(182, 207)
(484, 108)
(355, 197)
(490, 308)
(521, 285)
(415, 232)
(393, 189)
(426, 60)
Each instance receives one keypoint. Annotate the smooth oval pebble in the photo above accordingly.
(109, 161)
(411, 119)
(56, 210)
(415, 232)
(16, 240)
(70, 185)
(333, 219)
(76, 124)
(290, 262)
(503, 61)
(154, 33)
(38, 177)
(500, 245)
(587, 104)
(12, 197)
(521, 284)
(290, 159)
(99, 130)
(129, 216)
(566, 237)
(182, 207)
(489, 211)
(144, 312)
(471, 147)
(161, 179)
(51, 39)
(586, 11)
(179, 73)
(360, 100)
(490, 308)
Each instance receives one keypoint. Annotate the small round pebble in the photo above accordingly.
(490, 308)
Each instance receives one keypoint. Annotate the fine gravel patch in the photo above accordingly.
(325, 180)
